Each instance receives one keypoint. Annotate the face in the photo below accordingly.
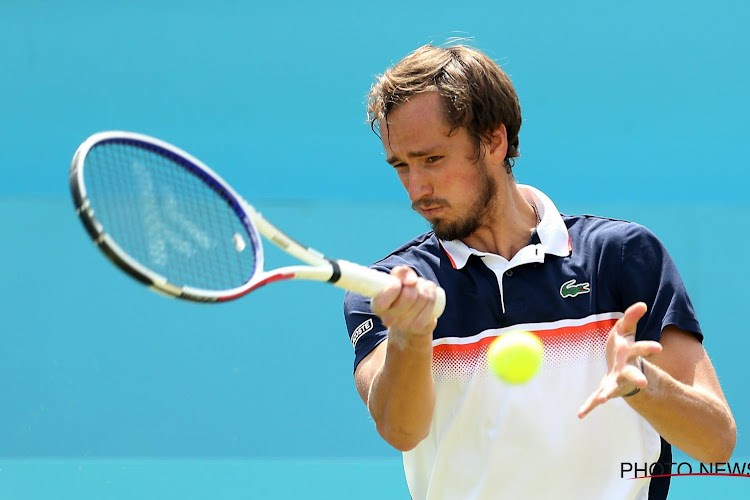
(456, 194)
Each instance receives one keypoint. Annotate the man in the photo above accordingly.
(619, 331)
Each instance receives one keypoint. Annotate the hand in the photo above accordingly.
(622, 352)
(407, 305)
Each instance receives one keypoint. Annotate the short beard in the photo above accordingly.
(482, 209)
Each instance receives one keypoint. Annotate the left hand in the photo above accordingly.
(622, 352)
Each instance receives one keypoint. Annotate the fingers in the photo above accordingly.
(592, 402)
(622, 358)
(383, 301)
(643, 348)
(628, 353)
(408, 303)
(626, 325)
(632, 374)
(621, 378)
(611, 387)
(602, 394)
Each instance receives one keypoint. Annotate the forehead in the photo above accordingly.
(419, 119)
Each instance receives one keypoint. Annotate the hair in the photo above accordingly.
(476, 93)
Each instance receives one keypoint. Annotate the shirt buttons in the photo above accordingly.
(509, 272)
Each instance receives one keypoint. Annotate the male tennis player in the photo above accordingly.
(619, 331)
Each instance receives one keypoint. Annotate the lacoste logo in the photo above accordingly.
(361, 330)
(571, 289)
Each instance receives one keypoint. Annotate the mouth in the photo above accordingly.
(430, 211)
(430, 208)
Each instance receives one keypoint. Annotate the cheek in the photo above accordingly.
(458, 183)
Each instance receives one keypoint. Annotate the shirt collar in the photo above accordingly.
(552, 231)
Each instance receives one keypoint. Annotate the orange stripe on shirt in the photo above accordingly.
(573, 334)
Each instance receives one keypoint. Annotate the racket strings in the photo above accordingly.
(169, 216)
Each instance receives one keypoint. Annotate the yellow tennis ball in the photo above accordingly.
(515, 357)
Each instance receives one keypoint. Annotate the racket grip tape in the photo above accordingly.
(369, 282)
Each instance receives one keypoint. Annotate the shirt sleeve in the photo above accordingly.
(366, 330)
(651, 276)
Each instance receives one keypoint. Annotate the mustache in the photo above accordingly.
(429, 203)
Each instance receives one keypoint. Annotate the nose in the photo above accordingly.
(417, 185)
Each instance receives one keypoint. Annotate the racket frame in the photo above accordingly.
(341, 273)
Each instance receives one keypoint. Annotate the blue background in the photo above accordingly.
(631, 110)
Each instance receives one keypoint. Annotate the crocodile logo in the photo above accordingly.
(573, 289)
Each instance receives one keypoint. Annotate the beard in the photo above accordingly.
(481, 209)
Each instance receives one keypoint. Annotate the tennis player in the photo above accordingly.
(620, 334)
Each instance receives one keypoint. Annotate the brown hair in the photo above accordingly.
(476, 93)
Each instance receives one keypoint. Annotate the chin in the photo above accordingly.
(448, 233)
(457, 230)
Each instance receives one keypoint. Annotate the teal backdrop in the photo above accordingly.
(634, 110)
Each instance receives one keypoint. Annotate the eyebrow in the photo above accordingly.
(412, 154)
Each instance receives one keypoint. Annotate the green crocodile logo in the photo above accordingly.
(571, 289)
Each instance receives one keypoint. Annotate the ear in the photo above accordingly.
(498, 146)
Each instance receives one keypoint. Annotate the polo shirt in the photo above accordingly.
(569, 286)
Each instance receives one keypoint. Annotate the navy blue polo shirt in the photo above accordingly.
(569, 285)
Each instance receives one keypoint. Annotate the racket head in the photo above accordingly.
(164, 217)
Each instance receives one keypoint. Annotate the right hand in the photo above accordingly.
(407, 304)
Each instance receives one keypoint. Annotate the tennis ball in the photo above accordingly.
(515, 357)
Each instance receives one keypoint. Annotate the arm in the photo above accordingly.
(395, 379)
(680, 395)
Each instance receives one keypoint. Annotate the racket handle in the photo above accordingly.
(369, 282)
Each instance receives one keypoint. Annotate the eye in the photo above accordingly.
(433, 159)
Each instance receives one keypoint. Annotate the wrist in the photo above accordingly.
(405, 340)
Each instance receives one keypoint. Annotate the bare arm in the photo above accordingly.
(680, 397)
(395, 380)
(684, 401)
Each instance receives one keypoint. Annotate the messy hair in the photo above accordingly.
(476, 93)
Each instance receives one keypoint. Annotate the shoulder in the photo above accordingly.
(596, 231)
(420, 253)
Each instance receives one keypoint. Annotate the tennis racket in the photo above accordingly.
(170, 222)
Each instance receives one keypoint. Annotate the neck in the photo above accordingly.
(508, 227)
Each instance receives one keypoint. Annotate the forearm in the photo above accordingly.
(692, 419)
(401, 398)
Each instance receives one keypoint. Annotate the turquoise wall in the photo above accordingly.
(631, 110)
